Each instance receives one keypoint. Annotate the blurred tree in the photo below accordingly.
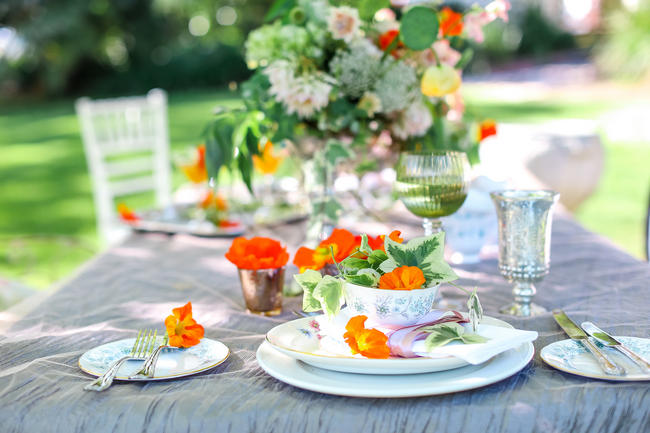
(114, 46)
(624, 51)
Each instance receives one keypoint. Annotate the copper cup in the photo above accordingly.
(262, 289)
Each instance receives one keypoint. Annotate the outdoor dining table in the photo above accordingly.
(137, 283)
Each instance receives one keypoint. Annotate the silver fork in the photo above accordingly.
(142, 346)
(149, 367)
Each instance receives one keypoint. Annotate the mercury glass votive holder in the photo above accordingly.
(525, 218)
(262, 289)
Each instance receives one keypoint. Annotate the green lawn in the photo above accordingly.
(47, 223)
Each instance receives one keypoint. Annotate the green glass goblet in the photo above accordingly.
(432, 185)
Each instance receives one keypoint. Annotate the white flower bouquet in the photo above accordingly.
(353, 74)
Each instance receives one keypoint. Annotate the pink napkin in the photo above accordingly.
(401, 341)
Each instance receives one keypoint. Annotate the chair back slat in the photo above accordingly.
(127, 149)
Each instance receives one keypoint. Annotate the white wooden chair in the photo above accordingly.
(126, 141)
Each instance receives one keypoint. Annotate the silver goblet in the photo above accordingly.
(524, 243)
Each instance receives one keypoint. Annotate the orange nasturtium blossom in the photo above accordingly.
(451, 23)
(266, 162)
(440, 80)
(377, 243)
(126, 214)
(370, 343)
(342, 242)
(387, 38)
(486, 128)
(257, 253)
(214, 200)
(402, 278)
(182, 329)
(196, 171)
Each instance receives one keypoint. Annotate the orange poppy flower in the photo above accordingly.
(267, 163)
(182, 329)
(486, 128)
(342, 241)
(126, 214)
(257, 253)
(451, 23)
(197, 172)
(402, 278)
(370, 343)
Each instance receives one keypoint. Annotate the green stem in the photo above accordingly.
(334, 260)
(467, 292)
(439, 125)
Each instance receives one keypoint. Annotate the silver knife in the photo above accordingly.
(577, 334)
(610, 341)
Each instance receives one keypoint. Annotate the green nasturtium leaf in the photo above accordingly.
(328, 292)
(419, 28)
(308, 280)
(445, 333)
(376, 258)
(361, 280)
(354, 264)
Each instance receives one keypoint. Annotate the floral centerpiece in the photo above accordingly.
(393, 283)
(332, 80)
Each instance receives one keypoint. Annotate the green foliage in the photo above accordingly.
(445, 333)
(308, 280)
(368, 8)
(425, 253)
(419, 28)
(320, 293)
(105, 47)
(625, 50)
(234, 136)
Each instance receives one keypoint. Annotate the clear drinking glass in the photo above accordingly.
(432, 184)
(525, 219)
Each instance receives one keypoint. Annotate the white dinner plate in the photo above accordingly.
(300, 340)
(571, 357)
(172, 362)
(297, 373)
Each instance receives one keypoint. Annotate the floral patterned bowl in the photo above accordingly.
(390, 308)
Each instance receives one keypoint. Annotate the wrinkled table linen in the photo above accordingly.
(137, 284)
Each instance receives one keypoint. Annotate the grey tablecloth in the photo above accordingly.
(137, 284)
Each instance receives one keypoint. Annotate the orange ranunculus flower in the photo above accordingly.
(370, 343)
(451, 23)
(182, 329)
(197, 172)
(214, 200)
(267, 163)
(402, 278)
(126, 214)
(440, 80)
(486, 128)
(257, 253)
(342, 241)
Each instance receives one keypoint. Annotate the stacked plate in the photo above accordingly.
(292, 353)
